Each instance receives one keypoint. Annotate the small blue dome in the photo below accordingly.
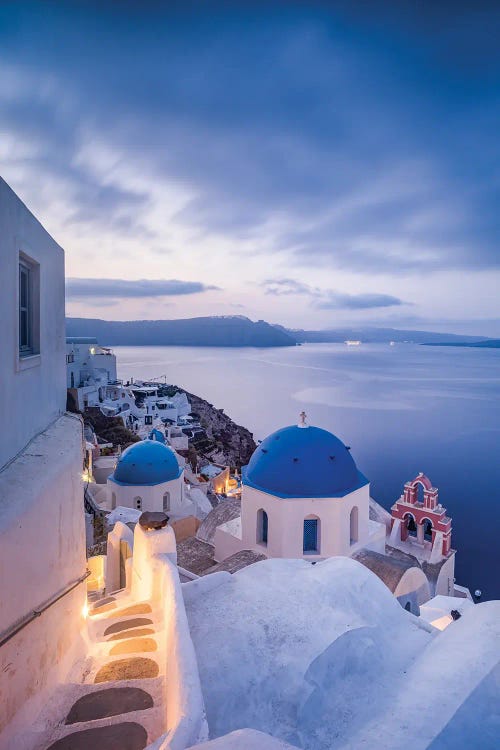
(303, 462)
(146, 463)
(156, 435)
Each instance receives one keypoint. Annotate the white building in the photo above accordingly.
(304, 497)
(42, 532)
(148, 477)
(89, 369)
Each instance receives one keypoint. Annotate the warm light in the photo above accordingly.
(85, 611)
(92, 351)
(85, 476)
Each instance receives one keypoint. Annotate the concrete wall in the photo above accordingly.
(445, 583)
(185, 527)
(286, 519)
(227, 540)
(33, 389)
(42, 550)
(412, 590)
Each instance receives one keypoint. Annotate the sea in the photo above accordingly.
(403, 409)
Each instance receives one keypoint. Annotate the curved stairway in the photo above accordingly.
(119, 703)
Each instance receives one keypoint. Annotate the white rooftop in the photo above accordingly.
(324, 657)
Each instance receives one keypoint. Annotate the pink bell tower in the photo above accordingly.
(425, 519)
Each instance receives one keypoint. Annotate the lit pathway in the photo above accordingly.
(119, 703)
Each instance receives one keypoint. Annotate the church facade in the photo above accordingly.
(304, 497)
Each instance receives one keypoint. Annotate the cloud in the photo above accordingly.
(336, 301)
(279, 287)
(328, 299)
(78, 289)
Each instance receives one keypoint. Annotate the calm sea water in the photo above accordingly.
(402, 409)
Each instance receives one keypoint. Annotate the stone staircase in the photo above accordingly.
(118, 705)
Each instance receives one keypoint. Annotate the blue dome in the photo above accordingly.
(146, 463)
(303, 462)
(156, 435)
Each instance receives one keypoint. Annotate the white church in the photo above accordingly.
(304, 497)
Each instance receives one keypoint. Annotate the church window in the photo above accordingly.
(311, 536)
(353, 522)
(166, 501)
(262, 527)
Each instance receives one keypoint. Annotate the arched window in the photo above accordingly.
(262, 527)
(410, 524)
(427, 524)
(311, 536)
(166, 501)
(113, 500)
(138, 503)
(353, 522)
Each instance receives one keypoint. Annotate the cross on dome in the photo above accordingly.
(303, 417)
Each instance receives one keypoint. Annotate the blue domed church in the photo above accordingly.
(147, 477)
(304, 496)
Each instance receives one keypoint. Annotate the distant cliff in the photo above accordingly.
(213, 331)
(488, 344)
(370, 335)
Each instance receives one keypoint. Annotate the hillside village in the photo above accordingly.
(169, 584)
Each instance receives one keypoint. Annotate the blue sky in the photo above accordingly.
(311, 164)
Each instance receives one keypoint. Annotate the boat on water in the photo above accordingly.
(352, 342)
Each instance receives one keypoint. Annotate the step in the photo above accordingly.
(136, 622)
(133, 668)
(127, 735)
(108, 702)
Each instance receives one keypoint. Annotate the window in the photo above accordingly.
(138, 503)
(25, 314)
(311, 526)
(353, 523)
(262, 527)
(70, 358)
(29, 307)
(166, 501)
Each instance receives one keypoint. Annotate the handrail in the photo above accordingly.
(14, 629)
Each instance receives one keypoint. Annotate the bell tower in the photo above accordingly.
(421, 523)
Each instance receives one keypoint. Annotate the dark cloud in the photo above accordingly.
(78, 289)
(336, 301)
(371, 135)
(328, 299)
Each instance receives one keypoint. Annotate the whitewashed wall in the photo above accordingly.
(33, 390)
(155, 577)
(42, 550)
(286, 518)
(152, 496)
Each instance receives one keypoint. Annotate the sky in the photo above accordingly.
(310, 164)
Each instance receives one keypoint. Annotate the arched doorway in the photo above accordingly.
(311, 536)
(353, 524)
(411, 526)
(262, 527)
(427, 524)
(166, 501)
